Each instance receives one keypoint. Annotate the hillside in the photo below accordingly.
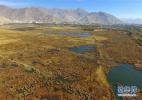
(4, 20)
(44, 15)
(132, 21)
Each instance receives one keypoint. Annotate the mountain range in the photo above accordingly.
(132, 20)
(55, 15)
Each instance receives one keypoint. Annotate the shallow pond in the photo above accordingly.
(71, 34)
(125, 74)
(75, 34)
(82, 49)
(25, 29)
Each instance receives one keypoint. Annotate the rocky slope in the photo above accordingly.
(4, 20)
(44, 15)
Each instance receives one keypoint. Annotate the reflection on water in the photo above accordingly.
(125, 74)
(71, 34)
(82, 49)
(25, 29)
(75, 34)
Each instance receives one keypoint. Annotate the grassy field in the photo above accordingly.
(36, 64)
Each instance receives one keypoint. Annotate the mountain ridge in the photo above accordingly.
(132, 20)
(56, 15)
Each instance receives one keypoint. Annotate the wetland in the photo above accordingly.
(66, 62)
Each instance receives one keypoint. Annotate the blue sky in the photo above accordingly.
(119, 8)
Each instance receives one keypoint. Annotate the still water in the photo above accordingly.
(82, 49)
(125, 74)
